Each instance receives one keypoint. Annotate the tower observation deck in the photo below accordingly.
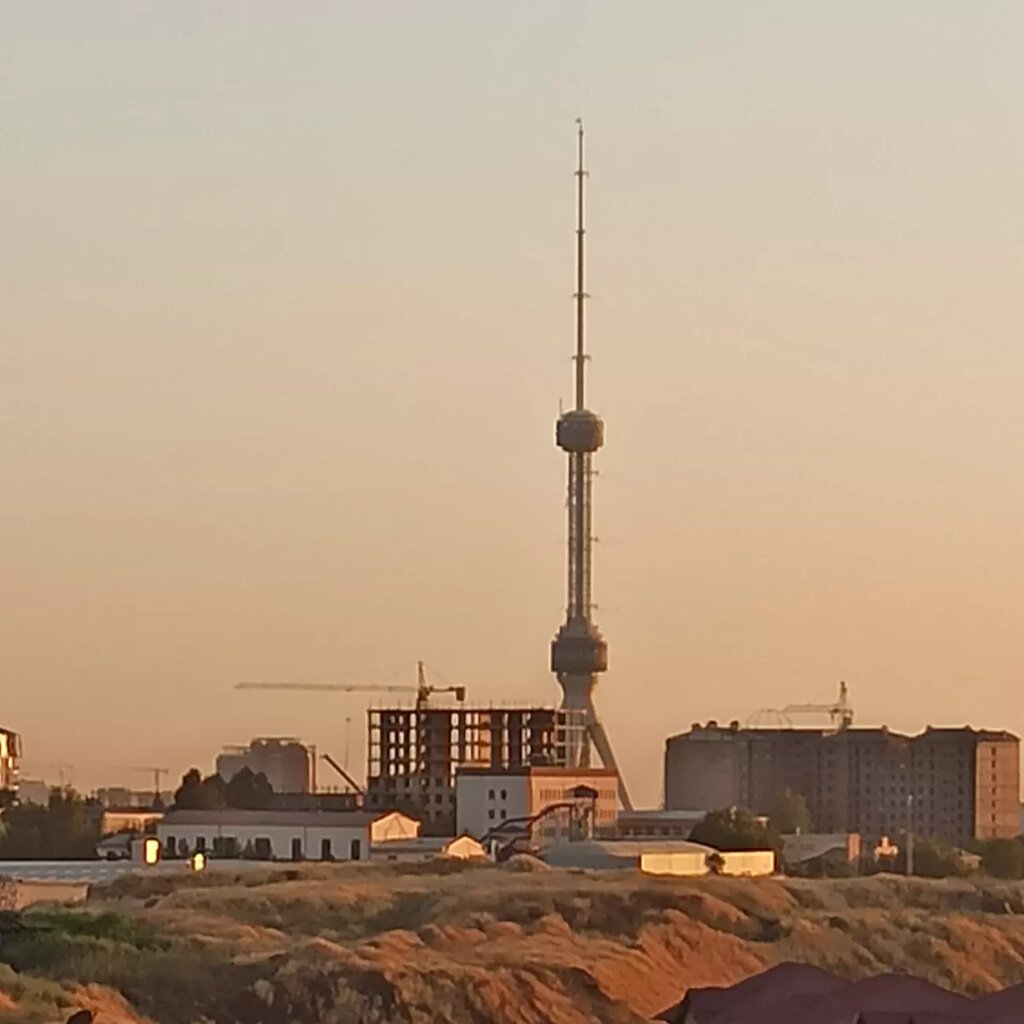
(579, 651)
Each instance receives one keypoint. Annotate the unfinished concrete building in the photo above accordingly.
(413, 753)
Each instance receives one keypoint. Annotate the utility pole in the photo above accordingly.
(910, 834)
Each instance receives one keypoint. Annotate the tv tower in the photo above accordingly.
(579, 651)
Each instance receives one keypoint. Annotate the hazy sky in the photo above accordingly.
(286, 319)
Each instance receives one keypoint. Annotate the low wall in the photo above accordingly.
(17, 895)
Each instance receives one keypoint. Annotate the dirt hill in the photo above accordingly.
(361, 944)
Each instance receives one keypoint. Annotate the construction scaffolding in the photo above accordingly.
(413, 753)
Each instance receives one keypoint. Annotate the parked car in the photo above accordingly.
(115, 847)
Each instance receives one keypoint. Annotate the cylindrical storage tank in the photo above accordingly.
(289, 767)
(579, 431)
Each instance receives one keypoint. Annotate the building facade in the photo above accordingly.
(414, 754)
(281, 835)
(34, 791)
(122, 797)
(427, 848)
(486, 799)
(950, 784)
(10, 754)
(128, 820)
(659, 824)
(667, 857)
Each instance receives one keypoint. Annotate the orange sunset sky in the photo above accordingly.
(286, 320)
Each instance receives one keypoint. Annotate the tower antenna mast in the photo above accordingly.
(581, 295)
(579, 651)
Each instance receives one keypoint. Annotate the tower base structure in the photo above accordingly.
(585, 732)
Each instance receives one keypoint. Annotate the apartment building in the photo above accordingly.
(952, 784)
(10, 752)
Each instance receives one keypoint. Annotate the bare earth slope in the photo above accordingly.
(348, 944)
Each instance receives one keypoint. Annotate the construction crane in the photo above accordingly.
(422, 689)
(158, 774)
(840, 711)
(344, 774)
(65, 771)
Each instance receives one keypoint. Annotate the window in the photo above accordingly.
(171, 846)
(490, 794)
(200, 844)
(503, 815)
(490, 814)
(296, 849)
(325, 850)
(504, 794)
(226, 847)
(355, 850)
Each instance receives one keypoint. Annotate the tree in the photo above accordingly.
(67, 828)
(932, 859)
(188, 796)
(733, 828)
(214, 792)
(198, 794)
(937, 860)
(789, 813)
(1003, 858)
(249, 792)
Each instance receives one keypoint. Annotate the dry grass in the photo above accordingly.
(362, 943)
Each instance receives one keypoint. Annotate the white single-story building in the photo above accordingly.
(680, 857)
(282, 835)
(657, 824)
(132, 819)
(801, 847)
(429, 848)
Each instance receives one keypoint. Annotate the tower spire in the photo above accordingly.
(580, 294)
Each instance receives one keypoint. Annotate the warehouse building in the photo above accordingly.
(680, 857)
(426, 848)
(281, 835)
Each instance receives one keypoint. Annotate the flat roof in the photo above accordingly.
(297, 819)
(559, 771)
(661, 815)
(420, 844)
(877, 732)
(613, 850)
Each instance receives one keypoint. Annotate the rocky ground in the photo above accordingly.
(359, 943)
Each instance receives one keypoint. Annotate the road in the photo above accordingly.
(93, 871)
(96, 872)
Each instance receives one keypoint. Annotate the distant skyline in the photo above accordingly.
(286, 318)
